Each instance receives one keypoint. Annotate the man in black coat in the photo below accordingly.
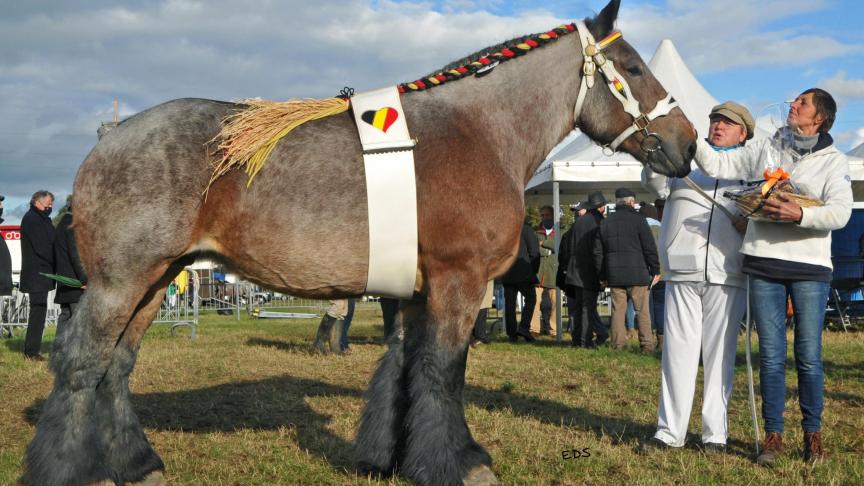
(37, 256)
(5, 262)
(521, 278)
(626, 257)
(582, 277)
(68, 264)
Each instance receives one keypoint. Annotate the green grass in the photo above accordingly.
(248, 403)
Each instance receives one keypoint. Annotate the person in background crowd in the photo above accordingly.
(657, 291)
(328, 338)
(480, 334)
(790, 255)
(546, 301)
(582, 279)
(705, 293)
(37, 256)
(344, 346)
(68, 264)
(5, 261)
(563, 261)
(625, 256)
(521, 278)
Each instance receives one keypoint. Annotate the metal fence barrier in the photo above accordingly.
(15, 310)
(180, 306)
(262, 304)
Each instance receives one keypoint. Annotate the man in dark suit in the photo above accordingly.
(5, 262)
(521, 278)
(625, 256)
(37, 256)
(67, 263)
(582, 277)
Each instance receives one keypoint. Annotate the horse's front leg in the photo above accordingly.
(439, 448)
(381, 433)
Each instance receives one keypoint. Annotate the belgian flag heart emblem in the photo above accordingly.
(381, 119)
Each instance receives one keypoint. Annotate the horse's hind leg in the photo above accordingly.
(129, 455)
(439, 448)
(84, 421)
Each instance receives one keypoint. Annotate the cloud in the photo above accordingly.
(62, 63)
(726, 34)
(841, 87)
(850, 139)
(61, 68)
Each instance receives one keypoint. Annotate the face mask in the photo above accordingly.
(548, 224)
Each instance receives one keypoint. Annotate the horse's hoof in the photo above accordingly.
(155, 478)
(480, 476)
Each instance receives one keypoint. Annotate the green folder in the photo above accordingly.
(67, 281)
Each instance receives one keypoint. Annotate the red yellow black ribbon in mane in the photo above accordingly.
(517, 49)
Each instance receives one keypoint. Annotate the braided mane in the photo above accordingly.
(482, 59)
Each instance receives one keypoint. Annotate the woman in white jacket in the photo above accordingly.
(705, 291)
(791, 256)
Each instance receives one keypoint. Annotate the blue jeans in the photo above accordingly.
(346, 323)
(630, 317)
(768, 305)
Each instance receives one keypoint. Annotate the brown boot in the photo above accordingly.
(813, 451)
(772, 447)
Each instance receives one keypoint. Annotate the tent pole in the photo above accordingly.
(556, 203)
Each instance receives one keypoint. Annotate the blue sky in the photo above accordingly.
(62, 63)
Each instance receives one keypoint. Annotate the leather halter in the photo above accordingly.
(595, 61)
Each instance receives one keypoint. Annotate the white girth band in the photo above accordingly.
(391, 192)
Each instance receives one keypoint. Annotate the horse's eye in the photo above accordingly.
(634, 70)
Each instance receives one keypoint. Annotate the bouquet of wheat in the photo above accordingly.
(751, 201)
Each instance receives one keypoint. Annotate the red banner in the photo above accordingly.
(10, 233)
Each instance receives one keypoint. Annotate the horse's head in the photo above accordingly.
(622, 105)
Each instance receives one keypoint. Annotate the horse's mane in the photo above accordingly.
(486, 58)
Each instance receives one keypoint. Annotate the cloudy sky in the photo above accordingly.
(63, 63)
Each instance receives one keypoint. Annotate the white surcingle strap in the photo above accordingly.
(594, 61)
(390, 191)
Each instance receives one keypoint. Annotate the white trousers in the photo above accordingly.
(700, 318)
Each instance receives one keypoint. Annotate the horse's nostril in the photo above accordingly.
(691, 150)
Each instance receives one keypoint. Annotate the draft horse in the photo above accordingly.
(301, 228)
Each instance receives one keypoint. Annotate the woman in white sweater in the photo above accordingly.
(705, 291)
(791, 256)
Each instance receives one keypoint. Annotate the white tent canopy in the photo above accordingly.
(857, 152)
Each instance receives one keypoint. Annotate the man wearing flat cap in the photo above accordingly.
(583, 281)
(625, 256)
(705, 291)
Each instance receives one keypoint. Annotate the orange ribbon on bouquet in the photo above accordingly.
(772, 178)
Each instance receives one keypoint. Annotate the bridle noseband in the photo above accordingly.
(595, 61)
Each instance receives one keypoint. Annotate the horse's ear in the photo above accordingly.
(604, 22)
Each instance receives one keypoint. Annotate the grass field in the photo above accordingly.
(248, 403)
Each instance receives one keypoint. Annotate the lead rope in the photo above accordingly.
(750, 376)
